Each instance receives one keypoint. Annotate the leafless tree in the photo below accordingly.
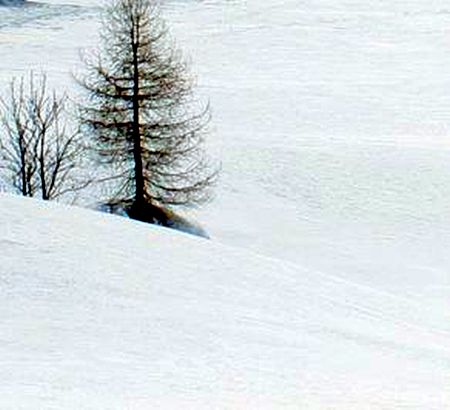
(147, 126)
(40, 156)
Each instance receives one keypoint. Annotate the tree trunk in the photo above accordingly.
(137, 151)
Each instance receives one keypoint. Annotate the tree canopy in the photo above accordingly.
(147, 126)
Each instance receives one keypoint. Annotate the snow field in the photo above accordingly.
(173, 321)
(332, 122)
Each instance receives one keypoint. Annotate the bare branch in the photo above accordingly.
(39, 155)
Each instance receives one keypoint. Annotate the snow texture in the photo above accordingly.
(102, 312)
(326, 283)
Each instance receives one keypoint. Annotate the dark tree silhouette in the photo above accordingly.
(147, 126)
(39, 155)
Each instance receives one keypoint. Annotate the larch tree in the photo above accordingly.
(147, 126)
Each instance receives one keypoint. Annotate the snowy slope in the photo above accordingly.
(332, 120)
(98, 312)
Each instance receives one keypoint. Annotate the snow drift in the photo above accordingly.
(100, 312)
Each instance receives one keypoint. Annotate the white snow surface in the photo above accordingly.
(327, 282)
(99, 312)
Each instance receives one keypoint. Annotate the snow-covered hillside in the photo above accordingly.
(332, 119)
(99, 312)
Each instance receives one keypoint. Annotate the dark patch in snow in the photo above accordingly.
(17, 14)
(156, 215)
(12, 3)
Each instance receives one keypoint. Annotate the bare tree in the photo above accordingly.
(39, 154)
(147, 126)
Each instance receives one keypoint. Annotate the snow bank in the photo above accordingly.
(100, 312)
